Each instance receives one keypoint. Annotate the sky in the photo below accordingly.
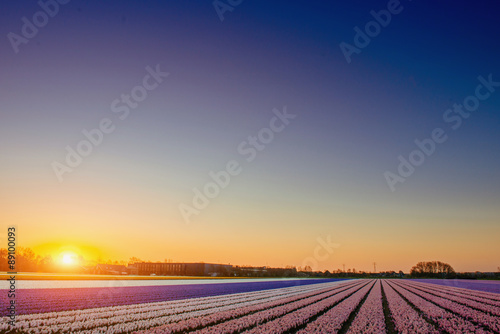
(311, 187)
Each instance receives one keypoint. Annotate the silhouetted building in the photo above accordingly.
(180, 269)
(110, 269)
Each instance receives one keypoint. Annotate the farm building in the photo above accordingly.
(179, 269)
(110, 269)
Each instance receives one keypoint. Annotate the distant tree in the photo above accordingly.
(307, 269)
(26, 260)
(134, 259)
(432, 269)
(3, 259)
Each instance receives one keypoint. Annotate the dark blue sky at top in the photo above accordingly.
(354, 119)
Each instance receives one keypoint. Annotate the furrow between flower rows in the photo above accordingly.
(457, 293)
(118, 317)
(474, 316)
(334, 317)
(370, 318)
(240, 319)
(446, 320)
(405, 318)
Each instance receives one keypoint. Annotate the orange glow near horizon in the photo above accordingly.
(105, 222)
(69, 253)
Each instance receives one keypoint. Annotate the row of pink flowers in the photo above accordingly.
(332, 320)
(280, 313)
(210, 322)
(482, 306)
(468, 294)
(446, 320)
(405, 318)
(413, 307)
(486, 288)
(370, 318)
(473, 315)
(116, 312)
(139, 316)
(43, 300)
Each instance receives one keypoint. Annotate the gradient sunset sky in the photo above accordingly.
(323, 175)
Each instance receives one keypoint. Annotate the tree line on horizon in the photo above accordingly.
(28, 261)
(435, 269)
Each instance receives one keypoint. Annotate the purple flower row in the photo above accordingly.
(325, 307)
(209, 322)
(54, 300)
(482, 305)
(479, 285)
(133, 316)
(483, 297)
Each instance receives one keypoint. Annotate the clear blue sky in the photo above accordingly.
(323, 175)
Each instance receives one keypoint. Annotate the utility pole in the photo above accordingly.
(374, 267)
(344, 267)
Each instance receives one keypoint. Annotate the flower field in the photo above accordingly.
(314, 306)
(480, 285)
(115, 293)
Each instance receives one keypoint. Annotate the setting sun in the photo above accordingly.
(68, 258)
